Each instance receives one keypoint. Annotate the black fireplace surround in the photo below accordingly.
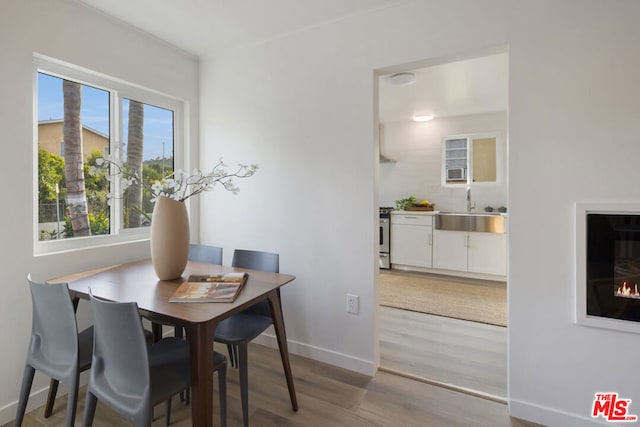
(613, 265)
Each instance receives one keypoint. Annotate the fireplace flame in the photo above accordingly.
(626, 291)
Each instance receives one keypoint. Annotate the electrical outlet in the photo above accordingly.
(353, 304)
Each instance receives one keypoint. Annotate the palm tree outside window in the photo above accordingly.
(80, 119)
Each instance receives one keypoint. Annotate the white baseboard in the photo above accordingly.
(38, 398)
(456, 273)
(550, 416)
(366, 367)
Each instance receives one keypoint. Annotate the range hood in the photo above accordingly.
(383, 158)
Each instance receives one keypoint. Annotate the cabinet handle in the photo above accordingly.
(411, 217)
(430, 239)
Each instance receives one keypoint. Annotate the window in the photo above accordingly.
(147, 147)
(80, 117)
(471, 159)
(455, 160)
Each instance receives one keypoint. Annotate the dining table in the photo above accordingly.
(137, 282)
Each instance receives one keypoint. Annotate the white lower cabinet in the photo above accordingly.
(414, 243)
(411, 240)
(450, 250)
(472, 252)
(487, 253)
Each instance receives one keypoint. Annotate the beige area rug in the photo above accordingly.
(475, 302)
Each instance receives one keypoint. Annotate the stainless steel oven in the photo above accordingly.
(385, 233)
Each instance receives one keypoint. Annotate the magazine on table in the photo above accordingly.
(210, 288)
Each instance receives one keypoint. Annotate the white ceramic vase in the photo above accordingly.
(169, 238)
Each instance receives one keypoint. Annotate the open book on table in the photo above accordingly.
(214, 288)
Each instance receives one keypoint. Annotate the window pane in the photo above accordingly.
(147, 133)
(455, 161)
(70, 201)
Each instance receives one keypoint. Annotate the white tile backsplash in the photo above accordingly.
(417, 151)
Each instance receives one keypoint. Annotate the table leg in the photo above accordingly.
(156, 331)
(278, 324)
(200, 338)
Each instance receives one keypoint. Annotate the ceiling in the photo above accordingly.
(203, 27)
(472, 86)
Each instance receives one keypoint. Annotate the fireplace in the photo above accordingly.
(608, 265)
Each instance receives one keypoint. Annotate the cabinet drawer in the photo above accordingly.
(409, 219)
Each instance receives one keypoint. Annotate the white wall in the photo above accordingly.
(73, 34)
(417, 170)
(285, 106)
(574, 136)
(303, 107)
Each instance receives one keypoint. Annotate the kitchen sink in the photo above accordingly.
(484, 222)
(472, 213)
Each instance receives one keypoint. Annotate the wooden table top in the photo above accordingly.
(137, 281)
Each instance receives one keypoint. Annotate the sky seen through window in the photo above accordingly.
(158, 122)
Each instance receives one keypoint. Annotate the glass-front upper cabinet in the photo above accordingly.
(456, 162)
(472, 158)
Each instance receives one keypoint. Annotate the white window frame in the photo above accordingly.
(469, 166)
(118, 89)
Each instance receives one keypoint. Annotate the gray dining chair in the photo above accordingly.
(56, 348)
(130, 377)
(205, 253)
(240, 329)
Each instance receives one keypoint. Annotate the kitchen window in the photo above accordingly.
(455, 160)
(473, 159)
(80, 118)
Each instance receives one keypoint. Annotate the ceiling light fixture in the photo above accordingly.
(423, 118)
(401, 79)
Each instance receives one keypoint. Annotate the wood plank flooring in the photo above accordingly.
(453, 352)
(328, 396)
(465, 354)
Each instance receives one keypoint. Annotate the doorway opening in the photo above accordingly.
(445, 280)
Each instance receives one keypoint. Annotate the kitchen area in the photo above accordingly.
(443, 141)
(443, 135)
(466, 244)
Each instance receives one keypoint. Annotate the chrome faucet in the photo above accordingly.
(470, 206)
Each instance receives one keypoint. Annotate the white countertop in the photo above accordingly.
(396, 212)
(414, 212)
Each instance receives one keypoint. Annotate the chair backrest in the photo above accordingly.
(257, 260)
(205, 253)
(54, 331)
(120, 355)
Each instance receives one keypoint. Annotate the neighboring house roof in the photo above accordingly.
(90, 129)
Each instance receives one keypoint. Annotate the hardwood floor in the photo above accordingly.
(328, 396)
(455, 352)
